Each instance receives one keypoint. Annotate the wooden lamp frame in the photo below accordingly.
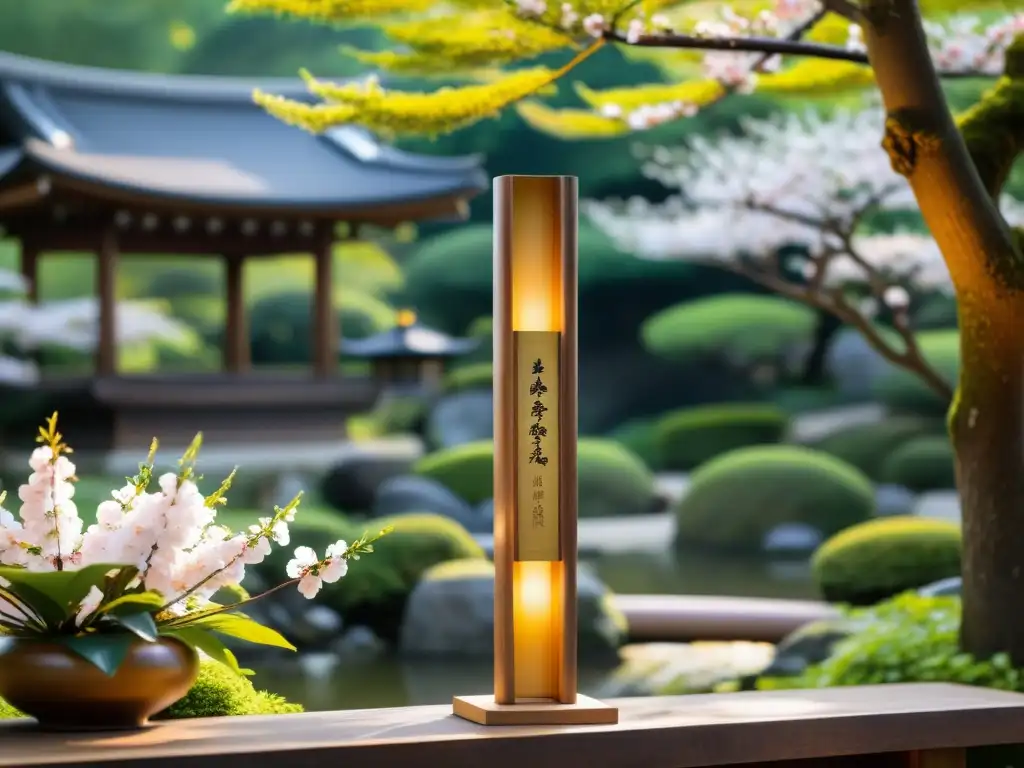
(535, 477)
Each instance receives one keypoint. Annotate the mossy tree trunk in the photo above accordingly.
(955, 182)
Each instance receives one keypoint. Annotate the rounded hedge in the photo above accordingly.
(640, 437)
(472, 376)
(875, 560)
(745, 325)
(612, 479)
(467, 470)
(868, 446)
(904, 392)
(735, 500)
(922, 464)
(687, 438)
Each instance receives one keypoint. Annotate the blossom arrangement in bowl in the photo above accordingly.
(101, 626)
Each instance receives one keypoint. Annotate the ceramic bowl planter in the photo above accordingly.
(64, 691)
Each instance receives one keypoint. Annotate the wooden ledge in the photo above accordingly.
(671, 732)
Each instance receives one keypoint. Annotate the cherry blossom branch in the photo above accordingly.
(834, 303)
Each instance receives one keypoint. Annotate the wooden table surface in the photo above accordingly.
(664, 732)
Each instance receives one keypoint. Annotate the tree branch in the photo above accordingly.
(766, 45)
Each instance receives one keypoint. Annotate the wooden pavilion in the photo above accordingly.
(117, 163)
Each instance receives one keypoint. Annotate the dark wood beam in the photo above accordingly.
(30, 269)
(236, 327)
(106, 288)
(325, 323)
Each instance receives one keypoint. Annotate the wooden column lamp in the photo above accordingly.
(535, 494)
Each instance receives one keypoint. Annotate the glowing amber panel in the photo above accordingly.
(537, 436)
(537, 295)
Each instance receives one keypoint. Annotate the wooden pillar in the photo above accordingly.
(236, 328)
(30, 270)
(325, 323)
(106, 287)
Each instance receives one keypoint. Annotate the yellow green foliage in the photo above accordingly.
(698, 92)
(833, 29)
(814, 77)
(402, 112)
(462, 42)
(331, 10)
(570, 123)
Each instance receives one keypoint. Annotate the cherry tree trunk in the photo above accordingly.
(987, 415)
(987, 427)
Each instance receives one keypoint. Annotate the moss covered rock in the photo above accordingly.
(612, 479)
(922, 464)
(880, 558)
(868, 446)
(737, 499)
(687, 438)
(219, 692)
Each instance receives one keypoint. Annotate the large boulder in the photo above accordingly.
(450, 614)
(352, 485)
(413, 494)
(462, 417)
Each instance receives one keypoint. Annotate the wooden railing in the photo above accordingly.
(911, 726)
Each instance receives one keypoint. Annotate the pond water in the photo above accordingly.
(324, 683)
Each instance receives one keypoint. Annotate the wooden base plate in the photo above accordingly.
(484, 710)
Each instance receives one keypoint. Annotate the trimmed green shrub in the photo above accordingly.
(880, 558)
(472, 376)
(281, 330)
(640, 437)
(909, 639)
(867, 446)
(796, 400)
(921, 464)
(904, 392)
(735, 500)
(687, 438)
(748, 326)
(217, 692)
(612, 479)
(467, 470)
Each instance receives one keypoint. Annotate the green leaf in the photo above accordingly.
(65, 589)
(134, 603)
(205, 641)
(52, 614)
(141, 624)
(243, 628)
(106, 652)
